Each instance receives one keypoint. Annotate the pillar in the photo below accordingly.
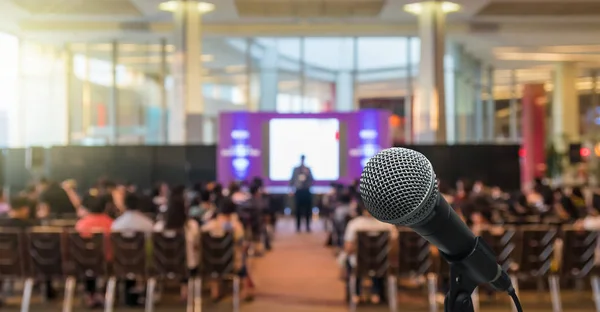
(513, 106)
(269, 79)
(533, 126)
(429, 123)
(113, 105)
(187, 76)
(565, 106)
(490, 107)
(344, 92)
(464, 95)
(477, 95)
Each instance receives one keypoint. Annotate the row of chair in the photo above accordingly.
(526, 252)
(43, 253)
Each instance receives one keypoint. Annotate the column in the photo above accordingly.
(185, 112)
(478, 101)
(113, 105)
(344, 92)
(164, 103)
(429, 123)
(464, 108)
(533, 125)
(565, 106)
(68, 61)
(269, 79)
(408, 98)
(450, 78)
(513, 105)
(490, 107)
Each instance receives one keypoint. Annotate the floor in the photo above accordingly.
(300, 275)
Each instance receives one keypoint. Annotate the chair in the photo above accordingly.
(373, 261)
(13, 260)
(415, 258)
(218, 262)
(129, 261)
(45, 248)
(86, 259)
(579, 261)
(539, 257)
(169, 262)
(507, 247)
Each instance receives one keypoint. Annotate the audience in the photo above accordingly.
(4, 207)
(243, 210)
(132, 218)
(227, 221)
(364, 222)
(19, 214)
(95, 220)
(176, 219)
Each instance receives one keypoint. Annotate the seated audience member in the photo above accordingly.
(595, 207)
(227, 220)
(54, 200)
(364, 223)
(254, 210)
(175, 219)
(341, 215)
(160, 197)
(4, 207)
(95, 220)
(578, 200)
(19, 218)
(237, 195)
(132, 219)
(202, 208)
(19, 214)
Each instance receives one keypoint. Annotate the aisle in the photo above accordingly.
(300, 274)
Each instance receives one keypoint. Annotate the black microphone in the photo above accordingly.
(398, 186)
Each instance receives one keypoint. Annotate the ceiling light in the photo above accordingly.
(173, 5)
(417, 8)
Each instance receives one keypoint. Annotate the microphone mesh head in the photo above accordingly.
(398, 186)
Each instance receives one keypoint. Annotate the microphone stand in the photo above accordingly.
(467, 273)
(458, 298)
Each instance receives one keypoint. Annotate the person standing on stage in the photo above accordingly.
(301, 181)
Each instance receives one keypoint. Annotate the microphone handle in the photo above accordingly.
(444, 229)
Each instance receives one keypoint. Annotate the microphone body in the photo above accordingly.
(398, 186)
(444, 229)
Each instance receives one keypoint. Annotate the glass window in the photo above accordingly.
(329, 53)
(382, 53)
(9, 73)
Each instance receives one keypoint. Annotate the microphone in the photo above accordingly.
(399, 186)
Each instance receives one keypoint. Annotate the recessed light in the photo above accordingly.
(417, 8)
(172, 6)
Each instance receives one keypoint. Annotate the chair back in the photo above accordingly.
(506, 245)
(169, 254)
(129, 252)
(12, 257)
(372, 254)
(538, 250)
(218, 255)
(46, 252)
(86, 255)
(414, 253)
(578, 258)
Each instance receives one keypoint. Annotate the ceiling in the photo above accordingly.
(508, 34)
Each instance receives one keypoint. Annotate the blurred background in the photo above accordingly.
(268, 108)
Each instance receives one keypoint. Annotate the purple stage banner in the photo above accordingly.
(268, 145)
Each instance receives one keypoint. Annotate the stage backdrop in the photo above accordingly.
(269, 145)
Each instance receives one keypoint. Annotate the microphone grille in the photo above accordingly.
(398, 186)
